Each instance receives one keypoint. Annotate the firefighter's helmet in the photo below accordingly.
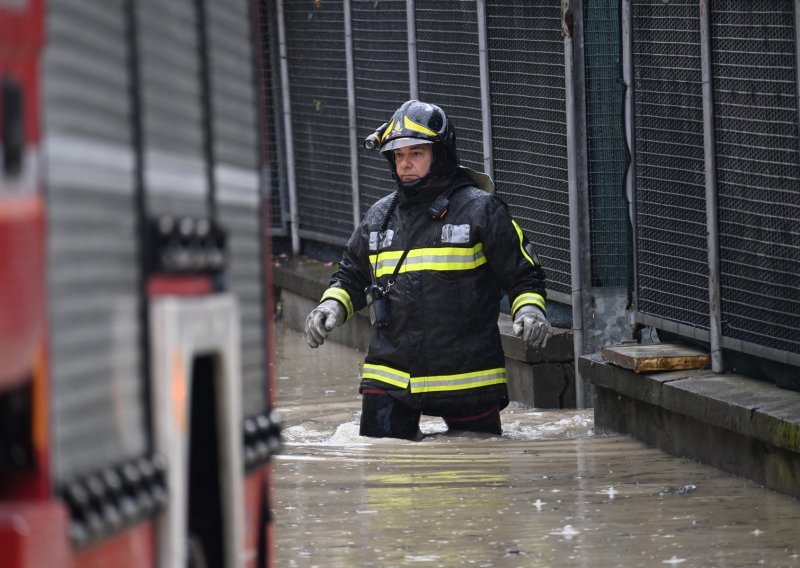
(416, 122)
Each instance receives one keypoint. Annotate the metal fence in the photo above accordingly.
(718, 172)
(693, 197)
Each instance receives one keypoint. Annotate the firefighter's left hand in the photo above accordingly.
(533, 326)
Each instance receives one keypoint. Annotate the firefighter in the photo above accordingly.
(431, 261)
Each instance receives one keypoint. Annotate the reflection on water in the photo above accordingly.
(548, 492)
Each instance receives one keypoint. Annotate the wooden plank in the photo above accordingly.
(657, 357)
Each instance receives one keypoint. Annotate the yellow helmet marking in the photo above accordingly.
(387, 131)
(411, 125)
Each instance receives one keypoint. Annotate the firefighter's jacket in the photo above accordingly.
(443, 345)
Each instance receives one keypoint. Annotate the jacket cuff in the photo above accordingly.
(528, 299)
(341, 296)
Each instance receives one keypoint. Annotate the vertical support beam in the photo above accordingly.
(351, 112)
(712, 210)
(294, 219)
(411, 24)
(574, 77)
(486, 108)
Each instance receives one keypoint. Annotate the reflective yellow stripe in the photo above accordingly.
(416, 127)
(385, 375)
(387, 131)
(522, 240)
(435, 383)
(527, 299)
(342, 296)
(440, 259)
(458, 382)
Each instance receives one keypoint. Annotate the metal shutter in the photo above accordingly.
(173, 139)
(236, 176)
(96, 364)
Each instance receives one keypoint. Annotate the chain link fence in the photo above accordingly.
(351, 64)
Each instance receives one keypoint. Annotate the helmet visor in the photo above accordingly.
(402, 143)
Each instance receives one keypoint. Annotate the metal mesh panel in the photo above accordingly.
(96, 365)
(672, 259)
(608, 208)
(526, 70)
(449, 70)
(320, 125)
(271, 111)
(236, 175)
(380, 50)
(758, 170)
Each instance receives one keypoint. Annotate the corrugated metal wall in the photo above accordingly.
(98, 412)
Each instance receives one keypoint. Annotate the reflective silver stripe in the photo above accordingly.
(440, 258)
(385, 375)
(527, 299)
(342, 296)
(458, 382)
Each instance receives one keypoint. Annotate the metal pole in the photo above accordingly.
(287, 125)
(351, 112)
(486, 109)
(411, 24)
(576, 162)
(714, 295)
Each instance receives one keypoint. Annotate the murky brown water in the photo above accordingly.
(548, 493)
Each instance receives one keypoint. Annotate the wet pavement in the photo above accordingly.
(549, 492)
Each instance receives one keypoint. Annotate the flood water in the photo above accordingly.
(549, 492)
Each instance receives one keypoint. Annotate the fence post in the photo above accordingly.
(575, 90)
(294, 219)
(411, 24)
(351, 112)
(486, 109)
(714, 297)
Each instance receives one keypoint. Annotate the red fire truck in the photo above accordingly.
(136, 419)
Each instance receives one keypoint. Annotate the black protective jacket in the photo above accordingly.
(443, 346)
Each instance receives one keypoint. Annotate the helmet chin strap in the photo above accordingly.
(412, 185)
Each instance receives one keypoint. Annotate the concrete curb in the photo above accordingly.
(744, 426)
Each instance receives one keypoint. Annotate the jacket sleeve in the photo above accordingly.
(513, 259)
(353, 275)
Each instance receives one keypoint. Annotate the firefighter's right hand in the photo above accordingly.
(322, 320)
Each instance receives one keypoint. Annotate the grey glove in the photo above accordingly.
(533, 326)
(322, 320)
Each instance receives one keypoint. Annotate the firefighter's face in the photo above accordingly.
(413, 162)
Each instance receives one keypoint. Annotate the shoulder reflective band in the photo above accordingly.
(441, 259)
(522, 242)
(435, 383)
(526, 299)
(385, 375)
(342, 296)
